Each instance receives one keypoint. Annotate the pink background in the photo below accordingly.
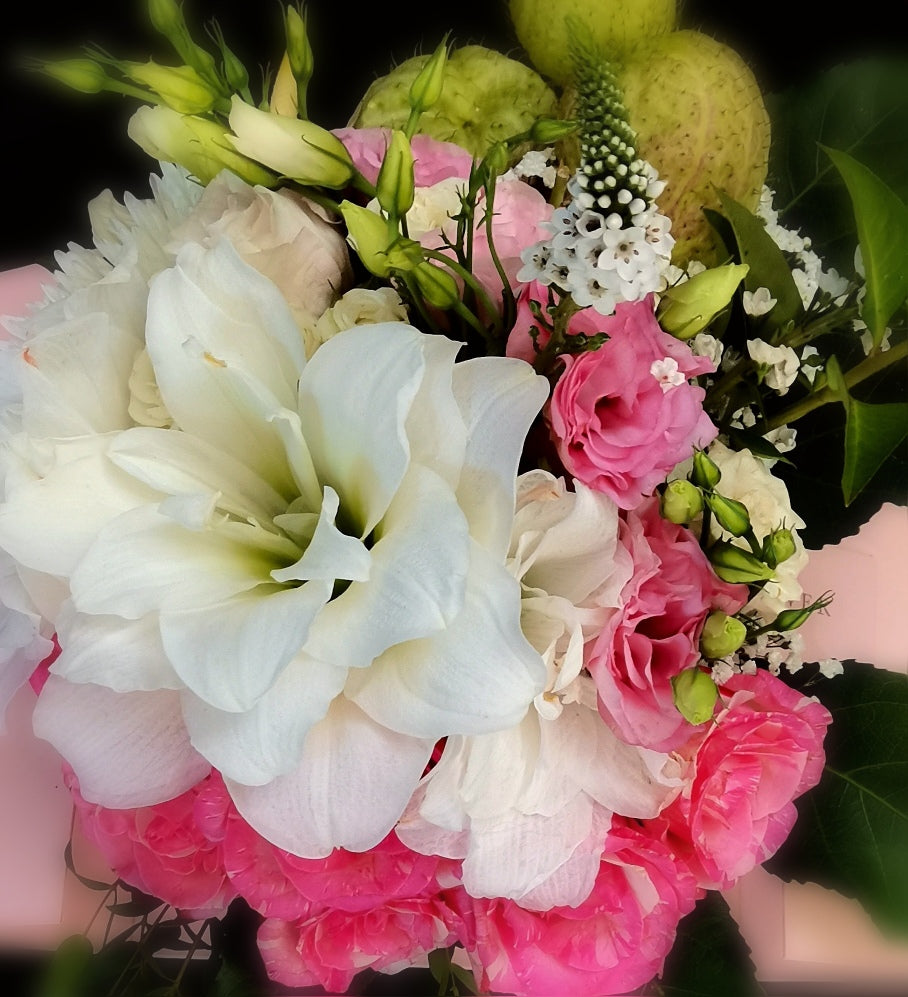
(796, 933)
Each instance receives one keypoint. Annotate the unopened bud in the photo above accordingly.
(722, 635)
(689, 307)
(368, 233)
(779, 546)
(180, 87)
(299, 51)
(395, 187)
(730, 514)
(404, 255)
(84, 75)
(438, 287)
(694, 694)
(791, 619)
(548, 131)
(495, 161)
(166, 17)
(736, 565)
(426, 88)
(681, 501)
(705, 474)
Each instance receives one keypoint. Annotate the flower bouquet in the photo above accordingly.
(397, 513)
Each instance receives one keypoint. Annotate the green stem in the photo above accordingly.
(867, 368)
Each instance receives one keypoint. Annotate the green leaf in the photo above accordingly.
(709, 956)
(852, 832)
(872, 433)
(882, 224)
(767, 265)
(69, 971)
(859, 106)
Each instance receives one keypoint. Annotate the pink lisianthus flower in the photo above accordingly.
(624, 415)
(433, 160)
(763, 751)
(655, 634)
(330, 947)
(161, 849)
(613, 942)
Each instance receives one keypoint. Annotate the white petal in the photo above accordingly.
(230, 653)
(48, 524)
(499, 398)
(266, 741)
(127, 749)
(222, 342)
(355, 395)
(143, 562)
(478, 675)
(416, 583)
(176, 463)
(351, 786)
(122, 655)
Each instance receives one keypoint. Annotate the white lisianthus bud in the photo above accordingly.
(297, 149)
(359, 306)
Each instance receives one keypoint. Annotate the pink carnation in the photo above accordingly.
(616, 940)
(618, 423)
(331, 947)
(763, 751)
(433, 160)
(656, 633)
(161, 849)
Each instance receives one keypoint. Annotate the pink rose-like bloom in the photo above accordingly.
(162, 849)
(617, 426)
(433, 160)
(614, 942)
(656, 632)
(764, 750)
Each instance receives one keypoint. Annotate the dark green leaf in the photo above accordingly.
(231, 981)
(768, 267)
(882, 224)
(709, 957)
(852, 831)
(861, 107)
(134, 908)
(68, 973)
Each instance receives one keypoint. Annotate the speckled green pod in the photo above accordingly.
(700, 120)
(486, 98)
(613, 26)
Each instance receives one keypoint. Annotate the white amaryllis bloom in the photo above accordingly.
(528, 808)
(301, 583)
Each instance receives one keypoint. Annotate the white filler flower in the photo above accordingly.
(301, 583)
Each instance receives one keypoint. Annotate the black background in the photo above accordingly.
(59, 148)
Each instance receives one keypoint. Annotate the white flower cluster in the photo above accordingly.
(597, 256)
(535, 163)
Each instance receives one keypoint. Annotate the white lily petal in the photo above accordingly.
(178, 464)
(267, 740)
(478, 675)
(230, 653)
(349, 789)
(331, 554)
(221, 339)
(290, 429)
(106, 651)
(48, 524)
(127, 749)
(499, 402)
(142, 562)
(354, 398)
(417, 580)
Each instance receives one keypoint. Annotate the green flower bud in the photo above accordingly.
(694, 694)
(722, 635)
(791, 619)
(548, 131)
(395, 187)
(84, 75)
(778, 547)
(437, 286)
(426, 87)
(299, 51)
(166, 17)
(495, 161)
(368, 233)
(705, 473)
(689, 307)
(404, 255)
(736, 565)
(730, 514)
(180, 87)
(681, 501)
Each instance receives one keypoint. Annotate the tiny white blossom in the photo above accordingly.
(830, 667)
(705, 345)
(666, 372)
(809, 370)
(782, 364)
(867, 338)
(758, 302)
(535, 163)
(744, 418)
(782, 438)
(722, 671)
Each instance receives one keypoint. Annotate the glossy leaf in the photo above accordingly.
(853, 827)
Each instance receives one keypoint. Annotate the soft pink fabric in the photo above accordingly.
(614, 427)
(616, 940)
(656, 632)
(161, 849)
(432, 160)
(764, 750)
